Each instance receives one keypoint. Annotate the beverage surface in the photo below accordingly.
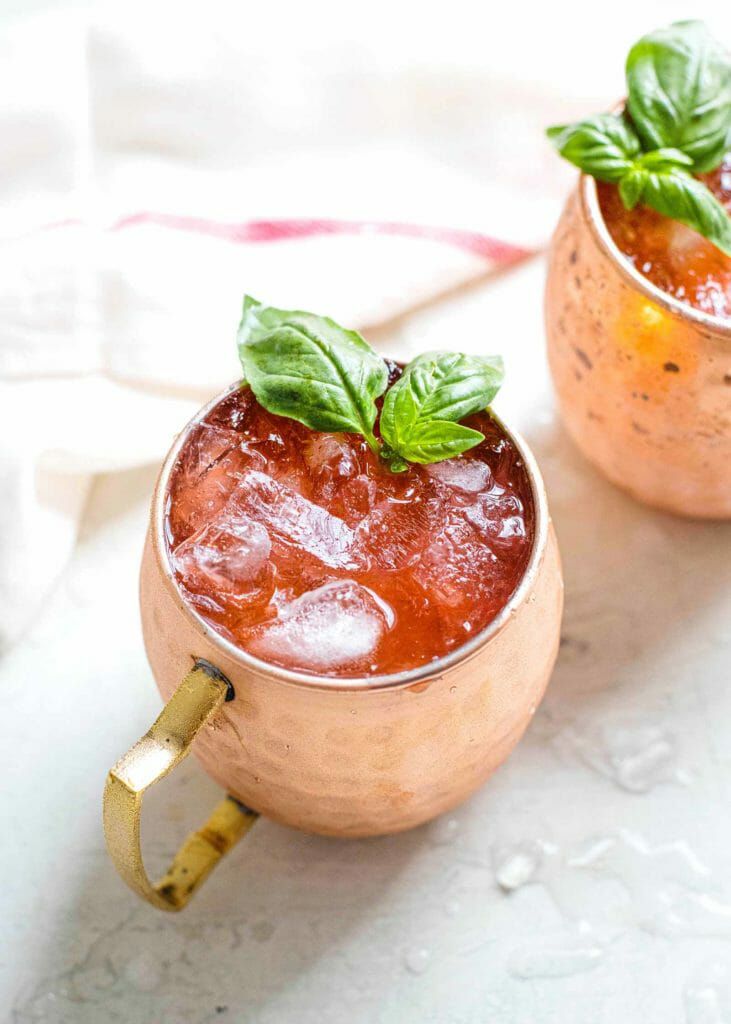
(304, 549)
(674, 257)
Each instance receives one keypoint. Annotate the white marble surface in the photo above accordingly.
(585, 884)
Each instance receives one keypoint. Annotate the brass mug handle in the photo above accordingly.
(201, 693)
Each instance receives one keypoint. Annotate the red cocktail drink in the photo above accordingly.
(304, 549)
(674, 257)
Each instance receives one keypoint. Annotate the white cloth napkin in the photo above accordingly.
(150, 182)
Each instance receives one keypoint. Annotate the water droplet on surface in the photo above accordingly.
(696, 915)
(635, 758)
(553, 961)
(417, 960)
(641, 769)
(516, 865)
(707, 995)
(666, 884)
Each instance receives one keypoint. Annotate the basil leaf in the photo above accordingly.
(451, 385)
(310, 369)
(435, 390)
(435, 440)
(679, 92)
(664, 159)
(677, 194)
(633, 184)
(604, 146)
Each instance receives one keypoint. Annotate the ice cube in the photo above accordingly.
(399, 528)
(469, 475)
(331, 460)
(295, 521)
(457, 567)
(209, 468)
(498, 517)
(355, 498)
(229, 554)
(205, 446)
(330, 453)
(337, 625)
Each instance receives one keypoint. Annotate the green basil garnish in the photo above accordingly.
(431, 441)
(604, 146)
(310, 369)
(679, 92)
(677, 122)
(421, 410)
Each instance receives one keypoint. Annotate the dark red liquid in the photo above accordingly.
(304, 549)
(674, 257)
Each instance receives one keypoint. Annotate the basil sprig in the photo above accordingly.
(419, 420)
(310, 369)
(677, 123)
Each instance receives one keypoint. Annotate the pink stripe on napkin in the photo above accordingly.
(256, 231)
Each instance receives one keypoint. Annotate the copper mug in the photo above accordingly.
(643, 380)
(340, 757)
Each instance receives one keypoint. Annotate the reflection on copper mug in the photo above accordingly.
(643, 380)
(340, 757)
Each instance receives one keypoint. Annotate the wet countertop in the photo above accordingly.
(586, 883)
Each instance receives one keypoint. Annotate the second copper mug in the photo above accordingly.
(643, 379)
(341, 757)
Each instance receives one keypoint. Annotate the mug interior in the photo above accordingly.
(405, 678)
(591, 210)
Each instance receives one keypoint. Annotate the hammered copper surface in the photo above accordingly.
(643, 381)
(355, 758)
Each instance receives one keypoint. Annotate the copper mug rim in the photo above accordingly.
(395, 680)
(592, 213)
